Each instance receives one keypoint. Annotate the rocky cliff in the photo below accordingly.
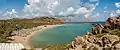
(111, 24)
(105, 37)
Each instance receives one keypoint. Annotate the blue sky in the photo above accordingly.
(60, 8)
(110, 4)
(10, 4)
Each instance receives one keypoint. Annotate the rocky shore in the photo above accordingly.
(92, 42)
(105, 37)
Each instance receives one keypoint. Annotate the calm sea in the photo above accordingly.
(62, 34)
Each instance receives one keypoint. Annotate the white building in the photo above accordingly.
(11, 46)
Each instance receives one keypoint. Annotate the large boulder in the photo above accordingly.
(112, 23)
(117, 46)
(111, 38)
(91, 42)
(109, 23)
(118, 22)
(97, 29)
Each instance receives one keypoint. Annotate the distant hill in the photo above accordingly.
(77, 20)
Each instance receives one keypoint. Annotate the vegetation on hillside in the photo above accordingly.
(7, 26)
(58, 47)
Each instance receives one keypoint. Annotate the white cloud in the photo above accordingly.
(37, 8)
(51, 7)
(55, 3)
(105, 11)
(91, 8)
(59, 7)
(41, 8)
(96, 15)
(33, 1)
(13, 10)
(118, 11)
(75, 12)
(94, 0)
(97, 4)
(117, 4)
(105, 7)
(81, 11)
(61, 13)
(113, 14)
(10, 14)
(69, 11)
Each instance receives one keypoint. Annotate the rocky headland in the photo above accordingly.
(105, 37)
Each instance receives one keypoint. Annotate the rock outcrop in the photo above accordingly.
(91, 42)
(111, 24)
(97, 29)
(100, 38)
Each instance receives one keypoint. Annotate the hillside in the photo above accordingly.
(8, 26)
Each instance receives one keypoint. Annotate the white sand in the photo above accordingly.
(25, 40)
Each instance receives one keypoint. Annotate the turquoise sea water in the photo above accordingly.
(62, 34)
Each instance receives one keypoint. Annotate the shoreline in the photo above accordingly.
(25, 40)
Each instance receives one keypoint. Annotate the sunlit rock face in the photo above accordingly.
(110, 24)
(94, 41)
(91, 42)
(113, 23)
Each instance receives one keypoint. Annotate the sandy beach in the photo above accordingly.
(25, 40)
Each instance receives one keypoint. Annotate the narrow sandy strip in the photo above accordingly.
(25, 40)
